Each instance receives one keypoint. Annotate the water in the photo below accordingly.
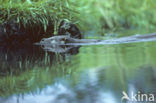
(86, 74)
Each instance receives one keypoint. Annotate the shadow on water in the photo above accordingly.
(94, 74)
(23, 68)
(15, 59)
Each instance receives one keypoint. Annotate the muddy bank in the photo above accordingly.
(12, 33)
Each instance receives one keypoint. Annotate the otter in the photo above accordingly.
(70, 29)
(67, 40)
(64, 40)
(67, 32)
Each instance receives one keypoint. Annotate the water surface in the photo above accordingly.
(88, 74)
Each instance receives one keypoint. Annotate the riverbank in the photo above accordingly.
(30, 21)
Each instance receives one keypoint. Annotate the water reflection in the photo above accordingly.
(85, 90)
(97, 74)
(15, 59)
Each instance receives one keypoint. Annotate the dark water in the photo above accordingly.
(87, 74)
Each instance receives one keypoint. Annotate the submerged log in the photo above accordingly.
(13, 33)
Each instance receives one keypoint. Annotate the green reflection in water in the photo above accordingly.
(122, 65)
(114, 68)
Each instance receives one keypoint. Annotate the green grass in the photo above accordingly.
(96, 15)
(104, 15)
(35, 13)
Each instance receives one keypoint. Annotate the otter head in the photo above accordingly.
(55, 40)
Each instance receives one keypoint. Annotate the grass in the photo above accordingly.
(117, 14)
(96, 15)
(30, 14)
